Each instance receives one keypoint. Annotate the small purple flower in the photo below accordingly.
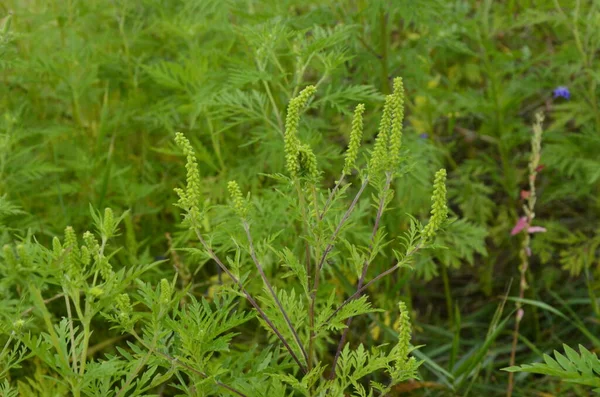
(424, 135)
(562, 92)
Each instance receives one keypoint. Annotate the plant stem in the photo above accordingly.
(519, 314)
(305, 222)
(271, 291)
(384, 52)
(374, 280)
(71, 330)
(447, 294)
(275, 108)
(365, 268)
(86, 341)
(139, 367)
(10, 336)
(590, 288)
(339, 227)
(536, 141)
(319, 266)
(250, 299)
(331, 196)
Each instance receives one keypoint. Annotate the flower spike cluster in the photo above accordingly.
(396, 133)
(405, 330)
(189, 198)
(239, 204)
(439, 208)
(386, 154)
(355, 138)
(292, 143)
(124, 309)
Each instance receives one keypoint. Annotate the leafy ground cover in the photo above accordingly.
(296, 198)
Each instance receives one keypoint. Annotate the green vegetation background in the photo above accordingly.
(92, 93)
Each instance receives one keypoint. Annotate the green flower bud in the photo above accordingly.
(86, 257)
(96, 292)
(239, 204)
(355, 138)
(92, 245)
(72, 264)
(18, 325)
(123, 303)
(105, 268)
(124, 308)
(108, 223)
(56, 247)
(439, 208)
(165, 291)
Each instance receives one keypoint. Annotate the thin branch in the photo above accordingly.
(71, 332)
(250, 299)
(140, 365)
(361, 281)
(369, 48)
(338, 228)
(46, 301)
(331, 195)
(317, 275)
(374, 280)
(270, 288)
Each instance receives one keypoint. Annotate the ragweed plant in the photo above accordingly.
(307, 315)
(78, 272)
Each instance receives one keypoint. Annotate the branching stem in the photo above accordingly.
(250, 299)
(271, 291)
(361, 281)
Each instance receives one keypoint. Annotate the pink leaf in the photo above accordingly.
(520, 314)
(521, 224)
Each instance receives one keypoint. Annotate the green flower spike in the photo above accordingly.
(355, 138)
(404, 331)
(165, 291)
(439, 208)
(56, 247)
(190, 198)
(380, 151)
(239, 204)
(92, 244)
(108, 222)
(124, 308)
(292, 143)
(73, 255)
(398, 119)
